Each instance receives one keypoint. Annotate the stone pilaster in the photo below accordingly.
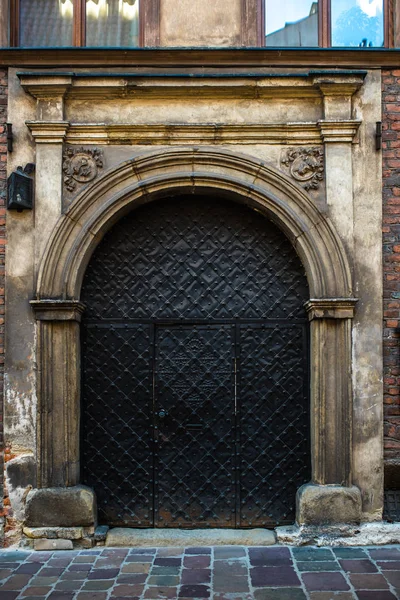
(331, 417)
(331, 393)
(49, 138)
(58, 390)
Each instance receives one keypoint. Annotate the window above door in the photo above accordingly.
(149, 23)
(90, 23)
(329, 23)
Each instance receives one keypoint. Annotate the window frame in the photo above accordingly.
(252, 12)
(390, 8)
(149, 23)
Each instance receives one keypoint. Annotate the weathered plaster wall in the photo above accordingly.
(200, 23)
(19, 381)
(391, 272)
(352, 198)
(367, 329)
(195, 110)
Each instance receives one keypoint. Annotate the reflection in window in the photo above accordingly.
(357, 23)
(291, 23)
(112, 22)
(46, 23)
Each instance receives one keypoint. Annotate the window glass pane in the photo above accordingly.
(291, 23)
(112, 22)
(45, 23)
(357, 23)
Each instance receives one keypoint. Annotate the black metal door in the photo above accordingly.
(195, 435)
(195, 369)
(272, 387)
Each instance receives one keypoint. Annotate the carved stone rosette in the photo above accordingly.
(306, 165)
(81, 165)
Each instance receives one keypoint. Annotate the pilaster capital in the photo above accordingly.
(338, 130)
(339, 83)
(330, 308)
(48, 132)
(58, 310)
(43, 87)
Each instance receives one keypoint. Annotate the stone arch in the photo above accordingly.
(195, 170)
(242, 178)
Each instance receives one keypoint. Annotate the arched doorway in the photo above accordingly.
(195, 368)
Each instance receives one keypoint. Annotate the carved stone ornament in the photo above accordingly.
(306, 165)
(81, 165)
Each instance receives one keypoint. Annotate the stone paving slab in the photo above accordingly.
(197, 573)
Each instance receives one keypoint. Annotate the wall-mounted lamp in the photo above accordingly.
(20, 189)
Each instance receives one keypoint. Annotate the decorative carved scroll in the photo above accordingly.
(81, 165)
(306, 165)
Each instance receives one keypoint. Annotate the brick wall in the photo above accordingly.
(3, 183)
(391, 260)
(3, 187)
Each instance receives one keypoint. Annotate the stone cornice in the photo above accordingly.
(330, 308)
(258, 86)
(232, 58)
(48, 132)
(207, 133)
(57, 310)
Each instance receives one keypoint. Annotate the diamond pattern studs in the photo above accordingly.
(195, 369)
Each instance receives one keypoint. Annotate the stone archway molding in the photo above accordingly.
(194, 170)
(242, 178)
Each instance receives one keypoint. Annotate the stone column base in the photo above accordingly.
(328, 505)
(61, 507)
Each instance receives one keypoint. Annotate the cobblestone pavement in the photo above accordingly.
(219, 573)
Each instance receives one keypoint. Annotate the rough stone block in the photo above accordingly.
(328, 505)
(70, 533)
(21, 476)
(100, 533)
(366, 534)
(85, 543)
(41, 532)
(52, 533)
(45, 544)
(88, 531)
(21, 471)
(61, 507)
(120, 536)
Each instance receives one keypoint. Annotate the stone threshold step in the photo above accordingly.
(121, 536)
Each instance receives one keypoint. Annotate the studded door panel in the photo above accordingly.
(194, 258)
(273, 409)
(194, 392)
(195, 307)
(117, 421)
